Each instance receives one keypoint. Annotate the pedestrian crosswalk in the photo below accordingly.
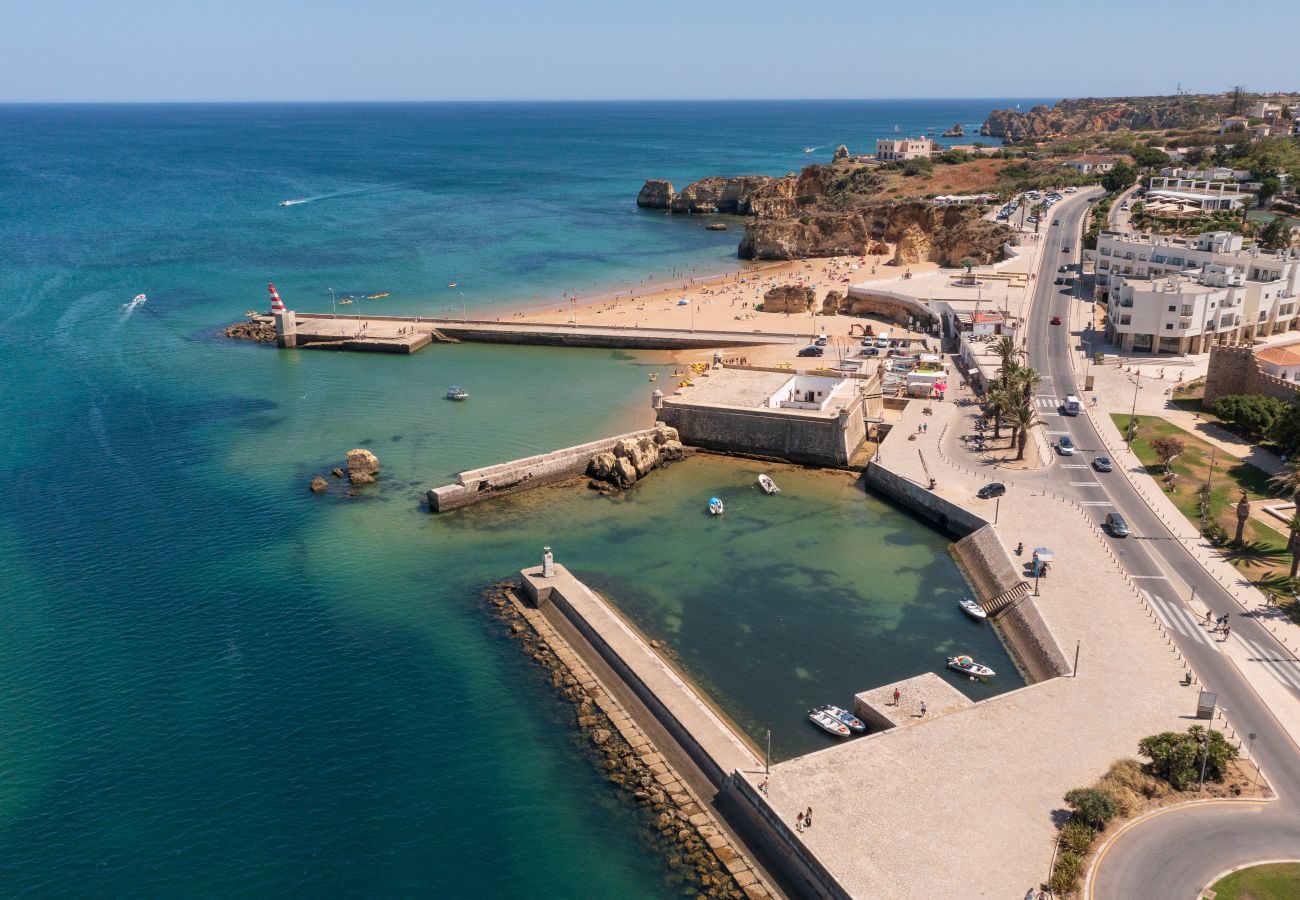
(1285, 669)
(1047, 401)
(1179, 620)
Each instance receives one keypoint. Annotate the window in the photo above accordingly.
(1169, 326)
(1124, 320)
(1173, 308)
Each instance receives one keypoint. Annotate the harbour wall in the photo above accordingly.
(476, 485)
(812, 440)
(930, 506)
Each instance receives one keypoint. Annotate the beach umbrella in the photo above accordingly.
(941, 386)
(1043, 554)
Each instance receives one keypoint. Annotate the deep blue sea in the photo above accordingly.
(215, 683)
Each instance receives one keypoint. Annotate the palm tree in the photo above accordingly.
(1007, 351)
(1288, 481)
(1293, 543)
(1000, 402)
(1028, 380)
(1022, 418)
(1038, 211)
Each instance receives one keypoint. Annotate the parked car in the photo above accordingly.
(820, 342)
(1065, 446)
(814, 350)
(1056, 221)
(991, 490)
(1056, 320)
(1064, 268)
(1065, 249)
(1102, 464)
(1060, 280)
(1116, 525)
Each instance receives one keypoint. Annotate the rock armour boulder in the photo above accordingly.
(363, 466)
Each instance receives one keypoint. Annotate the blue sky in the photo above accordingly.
(145, 50)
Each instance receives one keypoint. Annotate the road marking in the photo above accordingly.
(1277, 666)
(1085, 484)
(1193, 623)
(1058, 432)
(1162, 614)
(1096, 503)
(1150, 577)
(1074, 466)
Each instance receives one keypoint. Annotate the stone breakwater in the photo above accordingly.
(702, 859)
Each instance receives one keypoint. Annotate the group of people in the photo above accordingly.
(1220, 624)
(803, 820)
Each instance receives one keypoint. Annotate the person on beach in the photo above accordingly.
(922, 709)
(897, 695)
(807, 818)
(798, 822)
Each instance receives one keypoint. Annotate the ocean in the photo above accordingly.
(214, 682)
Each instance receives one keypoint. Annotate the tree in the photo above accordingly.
(1177, 757)
(1094, 807)
(1008, 354)
(1254, 414)
(1038, 211)
(1167, 448)
(1276, 235)
(1269, 187)
(1285, 431)
(1288, 481)
(1119, 177)
(1293, 543)
(1001, 401)
(1022, 418)
(1028, 380)
(1149, 157)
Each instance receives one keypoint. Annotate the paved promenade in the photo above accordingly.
(962, 804)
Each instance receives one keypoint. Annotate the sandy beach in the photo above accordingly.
(726, 302)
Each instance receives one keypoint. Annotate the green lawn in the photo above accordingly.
(1262, 557)
(1280, 881)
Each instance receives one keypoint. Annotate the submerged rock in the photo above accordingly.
(318, 484)
(657, 193)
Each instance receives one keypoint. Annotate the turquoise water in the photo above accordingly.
(213, 682)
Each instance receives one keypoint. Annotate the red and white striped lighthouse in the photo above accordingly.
(277, 305)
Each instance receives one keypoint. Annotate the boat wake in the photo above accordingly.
(319, 197)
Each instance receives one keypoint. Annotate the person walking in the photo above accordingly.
(1227, 630)
(798, 822)
(1207, 616)
(923, 709)
(807, 818)
(897, 694)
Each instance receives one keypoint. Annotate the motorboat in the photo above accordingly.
(135, 301)
(457, 393)
(972, 609)
(379, 296)
(844, 717)
(968, 666)
(828, 723)
(715, 506)
(768, 485)
(809, 149)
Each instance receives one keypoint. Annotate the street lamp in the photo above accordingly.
(333, 305)
(464, 315)
(1137, 386)
(1251, 752)
(1205, 756)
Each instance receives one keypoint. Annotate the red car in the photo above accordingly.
(1056, 320)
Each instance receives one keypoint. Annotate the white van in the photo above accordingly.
(1071, 406)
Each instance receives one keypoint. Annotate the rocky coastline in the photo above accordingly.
(252, 330)
(702, 861)
(1095, 115)
(834, 210)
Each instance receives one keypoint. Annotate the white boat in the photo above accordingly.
(972, 609)
(828, 723)
(457, 393)
(968, 666)
(844, 717)
(809, 149)
(715, 506)
(135, 301)
(768, 485)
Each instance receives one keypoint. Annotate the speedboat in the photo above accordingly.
(828, 723)
(457, 393)
(968, 666)
(972, 609)
(768, 485)
(808, 149)
(135, 301)
(715, 506)
(380, 296)
(844, 717)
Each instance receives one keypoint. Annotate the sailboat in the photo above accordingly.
(896, 129)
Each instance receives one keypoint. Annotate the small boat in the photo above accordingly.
(457, 393)
(844, 717)
(768, 485)
(972, 609)
(968, 666)
(654, 376)
(344, 302)
(828, 723)
(292, 202)
(715, 506)
(377, 296)
(809, 149)
(135, 301)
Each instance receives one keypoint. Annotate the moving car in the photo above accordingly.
(1065, 249)
(1102, 464)
(1116, 525)
(811, 351)
(1065, 446)
(991, 490)
(1061, 280)
(1056, 221)
(1056, 320)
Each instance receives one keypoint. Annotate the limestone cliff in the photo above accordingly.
(657, 193)
(1095, 115)
(789, 298)
(719, 195)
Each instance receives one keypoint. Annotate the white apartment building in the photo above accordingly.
(1179, 295)
(1207, 195)
(892, 149)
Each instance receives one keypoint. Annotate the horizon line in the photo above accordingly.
(230, 102)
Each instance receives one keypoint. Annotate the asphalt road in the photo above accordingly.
(1175, 854)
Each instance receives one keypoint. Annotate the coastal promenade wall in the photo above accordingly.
(810, 439)
(475, 485)
(926, 504)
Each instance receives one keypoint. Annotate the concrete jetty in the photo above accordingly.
(406, 334)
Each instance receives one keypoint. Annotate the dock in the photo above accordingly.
(407, 334)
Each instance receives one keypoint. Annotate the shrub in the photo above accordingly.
(1065, 875)
(1129, 774)
(1093, 807)
(1077, 838)
(1177, 757)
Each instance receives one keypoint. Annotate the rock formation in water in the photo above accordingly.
(841, 152)
(957, 130)
(719, 195)
(628, 461)
(1096, 115)
(789, 298)
(655, 194)
(363, 466)
(318, 484)
(262, 332)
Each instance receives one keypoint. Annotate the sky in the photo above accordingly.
(241, 50)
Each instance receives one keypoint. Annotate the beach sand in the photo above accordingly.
(725, 303)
